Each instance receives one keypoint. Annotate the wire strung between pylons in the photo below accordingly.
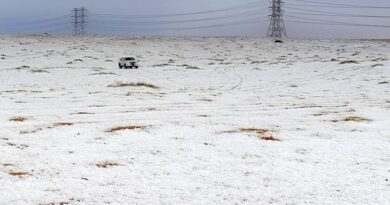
(329, 13)
(213, 11)
(325, 4)
(163, 22)
(338, 22)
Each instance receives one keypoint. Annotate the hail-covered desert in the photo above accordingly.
(201, 121)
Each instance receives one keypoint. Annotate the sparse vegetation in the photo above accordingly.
(349, 62)
(160, 65)
(191, 67)
(206, 99)
(18, 119)
(22, 67)
(139, 84)
(106, 164)
(39, 71)
(18, 174)
(269, 138)
(356, 119)
(128, 127)
(7, 165)
(255, 130)
(83, 113)
(60, 124)
(104, 73)
(377, 65)
(261, 133)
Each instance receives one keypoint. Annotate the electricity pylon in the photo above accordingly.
(79, 22)
(276, 27)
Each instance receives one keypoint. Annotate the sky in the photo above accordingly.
(193, 17)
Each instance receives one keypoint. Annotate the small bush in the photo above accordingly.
(106, 164)
(60, 124)
(18, 174)
(128, 127)
(349, 62)
(269, 138)
(139, 84)
(377, 65)
(18, 119)
(83, 113)
(256, 130)
(356, 119)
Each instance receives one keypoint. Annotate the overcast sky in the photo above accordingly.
(35, 16)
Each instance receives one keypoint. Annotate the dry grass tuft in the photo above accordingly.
(8, 165)
(349, 62)
(128, 127)
(269, 138)
(83, 113)
(18, 174)
(356, 119)
(39, 71)
(139, 84)
(18, 119)
(377, 65)
(60, 124)
(256, 130)
(106, 164)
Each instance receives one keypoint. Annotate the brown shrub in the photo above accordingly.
(256, 130)
(59, 124)
(83, 113)
(8, 165)
(18, 119)
(18, 174)
(269, 138)
(106, 164)
(139, 84)
(127, 127)
(349, 62)
(356, 119)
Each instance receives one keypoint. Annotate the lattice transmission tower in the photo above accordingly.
(79, 21)
(276, 27)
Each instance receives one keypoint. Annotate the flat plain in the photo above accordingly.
(203, 121)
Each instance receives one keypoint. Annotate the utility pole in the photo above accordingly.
(83, 15)
(276, 27)
(75, 21)
(79, 22)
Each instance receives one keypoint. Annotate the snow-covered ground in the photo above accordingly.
(203, 121)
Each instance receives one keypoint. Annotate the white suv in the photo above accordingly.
(127, 62)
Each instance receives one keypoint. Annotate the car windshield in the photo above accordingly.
(129, 59)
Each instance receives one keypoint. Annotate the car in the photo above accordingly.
(127, 62)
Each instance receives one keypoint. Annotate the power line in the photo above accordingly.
(157, 22)
(340, 15)
(344, 5)
(338, 22)
(44, 26)
(249, 5)
(328, 13)
(243, 21)
(329, 24)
